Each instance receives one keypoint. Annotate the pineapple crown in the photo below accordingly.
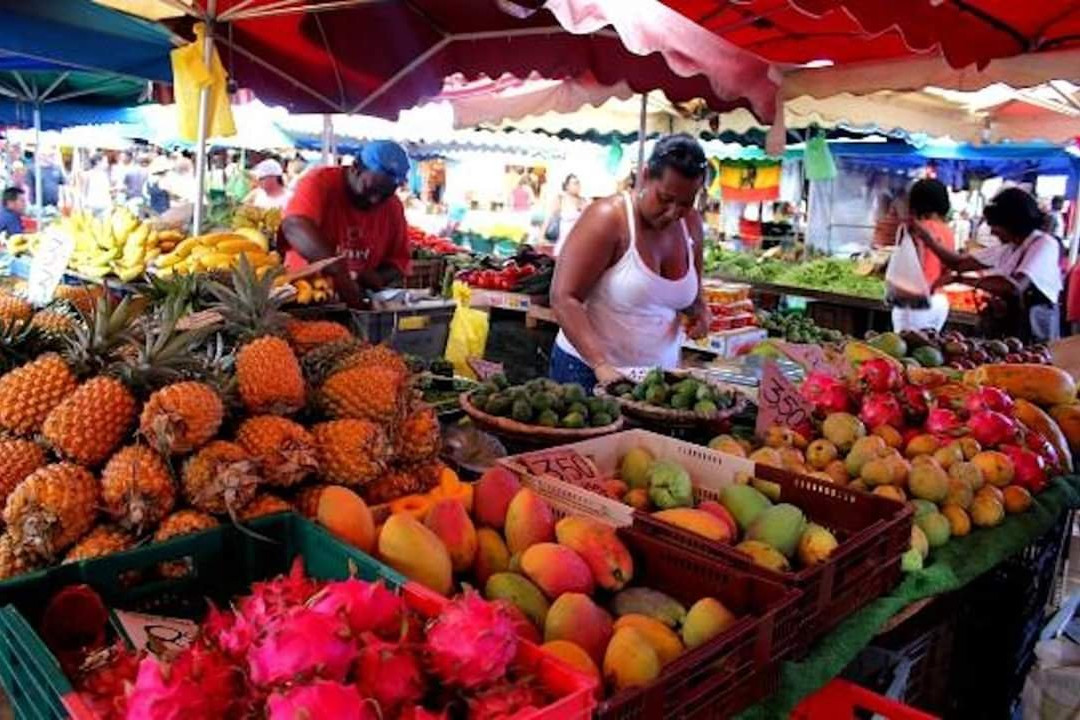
(96, 342)
(21, 342)
(159, 354)
(250, 307)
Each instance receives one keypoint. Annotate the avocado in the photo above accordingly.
(547, 418)
(682, 401)
(499, 404)
(601, 420)
(640, 392)
(578, 409)
(573, 420)
(656, 394)
(541, 401)
(654, 377)
(572, 392)
(928, 356)
(522, 411)
(705, 406)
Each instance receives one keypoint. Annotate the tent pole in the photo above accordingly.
(327, 138)
(641, 139)
(204, 112)
(39, 206)
(1074, 241)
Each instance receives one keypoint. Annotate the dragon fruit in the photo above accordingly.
(916, 404)
(301, 643)
(471, 642)
(880, 409)
(505, 701)
(991, 429)
(989, 398)
(943, 422)
(825, 393)
(273, 597)
(229, 632)
(879, 376)
(1039, 445)
(1030, 468)
(199, 683)
(321, 699)
(390, 673)
(103, 683)
(365, 606)
(419, 712)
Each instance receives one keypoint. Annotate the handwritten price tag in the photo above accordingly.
(164, 637)
(484, 369)
(566, 465)
(47, 267)
(779, 401)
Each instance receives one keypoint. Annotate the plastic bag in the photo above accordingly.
(468, 332)
(818, 161)
(905, 269)
(190, 76)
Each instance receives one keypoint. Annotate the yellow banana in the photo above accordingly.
(239, 246)
(254, 236)
(151, 255)
(303, 292)
(173, 258)
(216, 260)
(185, 247)
(130, 273)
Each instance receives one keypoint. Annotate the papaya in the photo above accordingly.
(1041, 384)
(696, 521)
(1068, 420)
(1035, 418)
(857, 353)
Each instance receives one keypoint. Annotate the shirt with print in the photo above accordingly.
(367, 238)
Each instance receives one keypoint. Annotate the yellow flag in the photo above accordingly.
(190, 76)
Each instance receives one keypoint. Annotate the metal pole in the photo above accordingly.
(204, 112)
(1074, 239)
(641, 140)
(327, 138)
(39, 206)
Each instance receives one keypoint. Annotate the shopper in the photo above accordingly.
(52, 177)
(352, 211)
(270, 191)
(1025, 276)
(928, 205)
(565, 210)
(97, 185)
(14, 207)
(631, 264)
(157, 192)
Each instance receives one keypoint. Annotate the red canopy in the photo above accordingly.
(376, 58)
(844, 31)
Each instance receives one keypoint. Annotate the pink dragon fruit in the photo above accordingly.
(199, 683)
(365, 606)
(301, 643)
(825, 393)
(881, 409)
(991, 428)
(1039, 445)
(273, 597)
(989, 398)
(321, 699)
(230, 632)
(390, 673)
(471, 642)
(916, 404)
(419, 712)
(506, 701)
(879, 375)
(1029, 468)
(943, 422)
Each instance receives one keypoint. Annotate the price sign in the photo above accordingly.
(484, 369)
(47, 267)
(161, 636)
(779, 401)
(566, 465)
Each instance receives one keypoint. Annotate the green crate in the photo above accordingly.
(32, 682)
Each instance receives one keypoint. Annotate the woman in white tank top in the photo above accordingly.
(630, 266)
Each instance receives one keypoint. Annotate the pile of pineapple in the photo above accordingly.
(117, 428)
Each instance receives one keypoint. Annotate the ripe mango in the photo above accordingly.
(492, 495)
(651, 603)
(416, 552)
(346, 515)
(780, 526)
(599, 546)
(573, 655)
(928, 480)
(815, 545)
(764, 555)
(556, 570)
(448, 519)
(634, 468)
(960, 492)
(986, 511)
(663, 639)
(520, 593)
(696, 521)
(575, 617)
(721, 513)
(744, 502)
(492, 556)
(936, 527)
(706, 619)
(630, 660)
(529, 520)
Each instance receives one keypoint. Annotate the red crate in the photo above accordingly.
(841, 700)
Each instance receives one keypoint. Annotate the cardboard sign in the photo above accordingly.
(484, 369)
(563, 464)
(160, 636)
(48, 266)
(779, 401)
(814, 358)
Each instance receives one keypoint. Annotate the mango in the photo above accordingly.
(919, 541)
(815, 545)
(520, 593)
(1016, 499)
(492, 555)
(959, 494)
(696, 521)
(969, 472)
(780, 526)
(573, 655)
(842, 430)
(768, 488)
(556, 570)
(997, 468)
(614, 488)
(346, 515)
(744, 502)
(492, 495)
(599, 546)
(927, 480)
(922, 445)
(721, 513)
(651, 603)
(959, 521)
(448, 519)
(986, 511)
(630, 661)
(921, 507)
(764, 555)
(576, 618)
(634, 468)
(949, 455)
(416, 552)
(911, 561)
(863, 451)
(936, 527)
(727, 444)
(706, 619)
(663, 639)
(767, 456)
(638, 498)
(890, 491)
(820, 453)
(837, 470)
(876, 471)
(529, 520)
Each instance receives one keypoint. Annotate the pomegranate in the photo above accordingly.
(1030, 469)
(991, 428)
(881, 409)
(826, 393)
(915, 402)
(989, 398)
(940, 421)
(879, 375)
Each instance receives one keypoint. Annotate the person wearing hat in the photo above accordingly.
(270, 191)
(157, 194)
(352, 211)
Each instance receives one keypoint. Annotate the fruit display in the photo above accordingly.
(217, 251)
(833, 275)
(952, 349)
(673, 391)
(266, 221)
(544, 403)
(796, 327)
(425, 245)
(314, 290)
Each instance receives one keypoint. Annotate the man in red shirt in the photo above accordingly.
(352, 211)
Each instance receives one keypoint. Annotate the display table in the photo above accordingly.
(953, 566)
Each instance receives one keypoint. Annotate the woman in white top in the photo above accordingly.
(631, 264)
(97, 187)
(1024, 275)
(270, 191)
(565, 210)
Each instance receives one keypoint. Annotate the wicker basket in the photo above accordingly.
(648, 414)
(533, 434)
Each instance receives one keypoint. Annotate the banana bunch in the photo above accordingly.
(217, 251)
(115, 244)
(22, 243)
(313, 290)
(265, 221)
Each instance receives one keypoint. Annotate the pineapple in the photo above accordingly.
(181, 417)
(366, 392)
(101, 541)
(352, 452)
(181, 522)
(306, 335)
(83, 298)
(137, 488)
(14, 562)
(220, 478)
(53, 322)
(265, 504)
(90, 423)
(51, 509)
(375, 356)
(418, 437)
(18, 458)
(14, 309)
(307, 500)
(319, 363)
(29, 393)
(284, 450)
(394, 483)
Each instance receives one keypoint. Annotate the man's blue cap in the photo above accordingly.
(387, 157)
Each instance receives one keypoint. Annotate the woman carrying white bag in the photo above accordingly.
(914, 270)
